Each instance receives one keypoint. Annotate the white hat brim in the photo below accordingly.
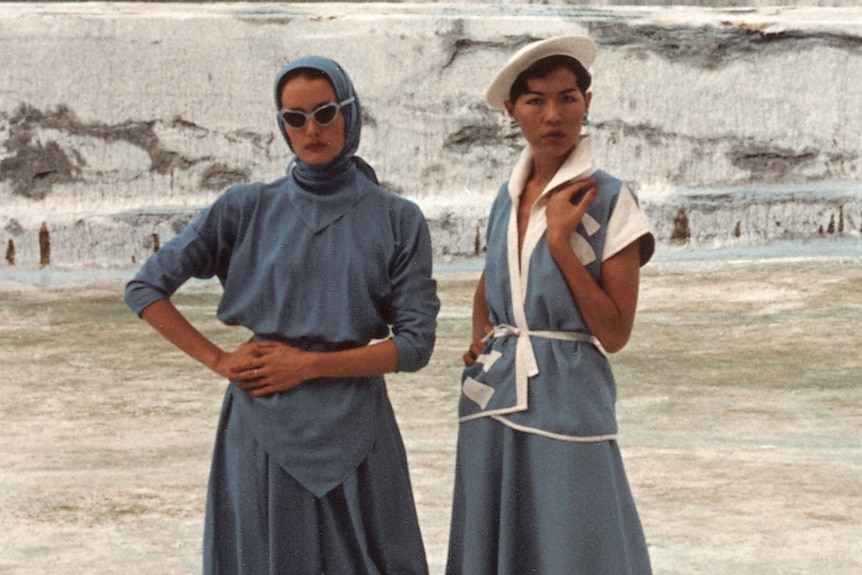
(580, 48)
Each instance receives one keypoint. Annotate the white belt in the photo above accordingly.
(525, 358)
(505, 329)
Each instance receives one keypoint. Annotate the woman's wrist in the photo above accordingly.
(215, 361)
(315, 364)
(558, 245)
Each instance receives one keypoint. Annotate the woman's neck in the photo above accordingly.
(543, 172)
(545, 167)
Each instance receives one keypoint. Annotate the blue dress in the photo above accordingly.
(312, 480)
(540, 486)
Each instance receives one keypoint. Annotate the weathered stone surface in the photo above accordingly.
(746, 118)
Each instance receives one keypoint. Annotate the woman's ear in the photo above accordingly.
(510, 108)
(588, 97)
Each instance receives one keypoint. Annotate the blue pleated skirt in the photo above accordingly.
(526, 504)
(261, 521)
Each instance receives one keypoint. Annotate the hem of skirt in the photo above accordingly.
(542, 432)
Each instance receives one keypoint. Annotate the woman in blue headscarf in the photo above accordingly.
(332, 275)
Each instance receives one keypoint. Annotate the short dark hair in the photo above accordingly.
(307, 73)
(543, 68)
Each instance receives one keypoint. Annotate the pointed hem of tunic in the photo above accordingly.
(261, 521)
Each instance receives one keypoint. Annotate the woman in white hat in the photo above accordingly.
(540, 485)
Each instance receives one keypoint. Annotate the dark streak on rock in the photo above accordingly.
(458, 44)
(368, 119)
(481, 135)
(34, 167)
(707, 46)
(615, 129)
(469, 136)
(776, 161)
(259, 140)
(712, 47)
(763, 161)
(266, 21)
(179, 122)
(177, 220)
(219, 177)
(262, 15)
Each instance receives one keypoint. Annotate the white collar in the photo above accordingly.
(578, 165)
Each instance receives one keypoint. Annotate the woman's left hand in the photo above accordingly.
(270, 367)
(564, 212)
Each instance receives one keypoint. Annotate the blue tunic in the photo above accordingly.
(320, 271)
(540, 486)
(550, 377)
(320, 285)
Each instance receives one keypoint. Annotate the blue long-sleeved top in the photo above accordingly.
(319, 270)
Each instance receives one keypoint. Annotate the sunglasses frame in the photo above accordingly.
(312, 115)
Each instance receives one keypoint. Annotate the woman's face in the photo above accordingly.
(313, 143)
(551, 113)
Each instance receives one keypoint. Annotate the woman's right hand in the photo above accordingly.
(228, 361)
(480, 323)
(471, 354)
(564, 213)
(478, 345)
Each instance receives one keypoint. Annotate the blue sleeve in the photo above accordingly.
(414, 305)
(201, 250)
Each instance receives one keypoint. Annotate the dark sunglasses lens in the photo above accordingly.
(293, 119)
(326, 114)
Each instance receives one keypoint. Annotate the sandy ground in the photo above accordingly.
(739, 408)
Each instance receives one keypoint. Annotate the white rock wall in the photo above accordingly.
(118, 121)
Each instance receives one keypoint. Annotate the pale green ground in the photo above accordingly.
(740, 410)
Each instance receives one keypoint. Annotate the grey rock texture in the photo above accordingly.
(120, 121)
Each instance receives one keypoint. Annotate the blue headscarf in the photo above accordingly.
(316, 176)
